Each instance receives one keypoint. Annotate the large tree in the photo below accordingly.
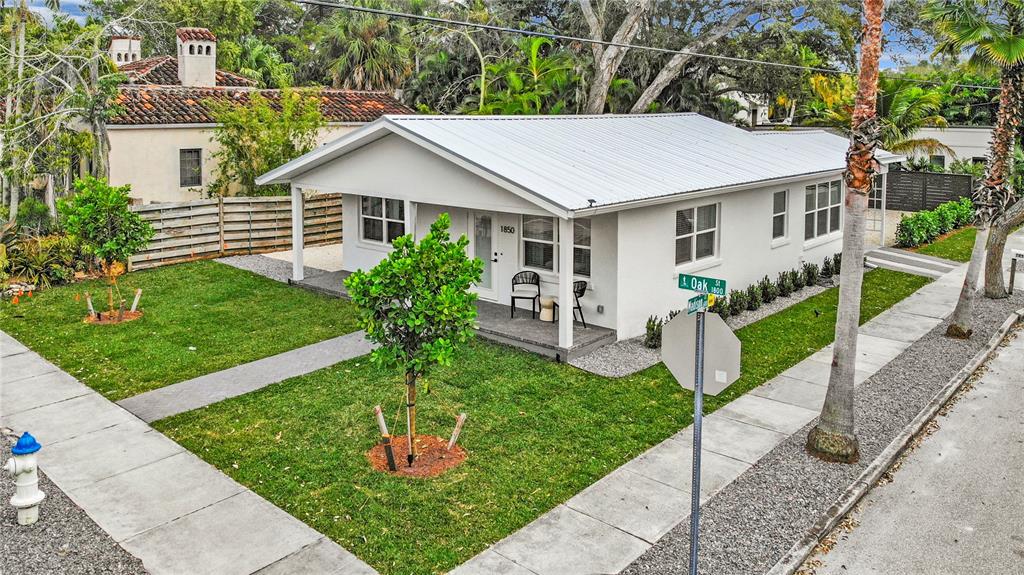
(834, 437)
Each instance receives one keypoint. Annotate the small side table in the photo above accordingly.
(547, 308)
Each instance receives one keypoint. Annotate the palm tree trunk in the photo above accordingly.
(834, 437)
(960, 324)
(410, 407)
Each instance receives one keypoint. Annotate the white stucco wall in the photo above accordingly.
(966, 142)
(147, 158)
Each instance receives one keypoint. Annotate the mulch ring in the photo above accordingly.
(432, 459)
(106, 318)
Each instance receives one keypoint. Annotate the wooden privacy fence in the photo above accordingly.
(917, 191)
(232, 226)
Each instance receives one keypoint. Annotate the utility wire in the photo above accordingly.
(552, 36)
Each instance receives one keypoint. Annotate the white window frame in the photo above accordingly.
(875, 197)
(694, 232)
(784, 214)
(553, 242)
(830, 204)
(587, 248)
(383, 218)
(199, 172)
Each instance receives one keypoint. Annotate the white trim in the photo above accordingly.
(699, 265)
(822, 240)
(298, 237)
(210, 125)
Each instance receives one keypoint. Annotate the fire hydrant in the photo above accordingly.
(22, 466)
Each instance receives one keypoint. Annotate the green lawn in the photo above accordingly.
(956, 246)
(538, 432)
(229, 316)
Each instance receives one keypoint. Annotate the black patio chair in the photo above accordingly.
(579, 288)
(526, 286)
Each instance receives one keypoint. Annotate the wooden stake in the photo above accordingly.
(381, 424)
(410, 414)
(88, 302)
(110, 300)
(389, 452)
(458, 429)
(120, 311)
(138, 295)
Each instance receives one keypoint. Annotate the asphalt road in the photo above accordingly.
(957, 503)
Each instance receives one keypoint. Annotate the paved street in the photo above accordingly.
(955, 504)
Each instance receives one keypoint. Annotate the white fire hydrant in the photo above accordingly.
(22, 466)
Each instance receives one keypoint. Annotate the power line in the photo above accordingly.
(552, 36)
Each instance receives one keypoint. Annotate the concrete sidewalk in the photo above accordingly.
(608, 525)
(161, 503)
(960, 489)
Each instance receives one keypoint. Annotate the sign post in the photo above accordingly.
(720, 365)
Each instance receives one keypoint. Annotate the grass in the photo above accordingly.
(538, 432)
(198, 318)
(956, 245)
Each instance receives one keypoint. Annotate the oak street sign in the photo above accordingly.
(702, 284)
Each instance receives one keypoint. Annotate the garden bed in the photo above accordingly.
(197, 318)
(538, 433)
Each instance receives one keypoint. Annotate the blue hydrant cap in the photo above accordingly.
(26, 444)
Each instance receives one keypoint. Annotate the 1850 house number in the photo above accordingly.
(508, 229)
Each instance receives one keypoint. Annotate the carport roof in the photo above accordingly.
(573, 163)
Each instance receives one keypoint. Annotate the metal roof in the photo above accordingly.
(580, 162)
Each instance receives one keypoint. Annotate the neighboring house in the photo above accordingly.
(626, 203)
(967, 142)
(160, 141)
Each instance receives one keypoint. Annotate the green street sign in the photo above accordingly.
(696, 304)
(702, 284)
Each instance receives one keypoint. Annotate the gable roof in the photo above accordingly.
(163, 71)
(145, 105)
(579, 163)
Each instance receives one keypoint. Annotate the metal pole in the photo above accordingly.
(698, 416)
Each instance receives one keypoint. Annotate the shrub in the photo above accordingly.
(826, 268)
(837, 263)
(737, 301)
(964, 210)
(797, 278)
(812, 273)
(769, 291)
(967, 166)
(721, 307)
(784, 284)
(923, 227)
(42, 261)
(34, 217)
(946, 214)
(754, 298)
(652, 337)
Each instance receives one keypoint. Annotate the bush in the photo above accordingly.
(826, 268)
(837, 263)
(784, 284)
(769, 291)
(34, 217)
(812, 273)
(964, 210)
(797, 278)
(737, 301)
(754, 298)
(721, 307)
(925, 226)
(652, 337)
(43, 261)
(968, 167)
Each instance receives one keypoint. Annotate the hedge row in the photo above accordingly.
(925, 226)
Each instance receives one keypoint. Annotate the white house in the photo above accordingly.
(967, 142)
(160, 139)
(626, 203)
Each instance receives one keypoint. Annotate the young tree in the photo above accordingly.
(834, 437)
(255, 138)
(416, 305)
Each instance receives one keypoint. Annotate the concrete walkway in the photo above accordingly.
(608, 525)
(214, 387)
(960, 490)
(161, 503)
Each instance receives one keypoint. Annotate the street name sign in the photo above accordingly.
(702, 284)
(697, 303)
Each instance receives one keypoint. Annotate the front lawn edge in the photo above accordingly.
(802, 549)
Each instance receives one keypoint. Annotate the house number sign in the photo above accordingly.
(508, 229)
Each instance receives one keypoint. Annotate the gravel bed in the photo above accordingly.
(619, 359)
(748, 526)
(780, 303)
(64, 540)
(274, 269)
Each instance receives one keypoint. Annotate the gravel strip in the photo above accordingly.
(780, 303)
(748, 526)
(619, 359)
(274, 269)
(65, 540)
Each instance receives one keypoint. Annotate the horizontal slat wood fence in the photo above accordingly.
(233, 226)
(917, 191)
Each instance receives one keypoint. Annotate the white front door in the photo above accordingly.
(483, 244)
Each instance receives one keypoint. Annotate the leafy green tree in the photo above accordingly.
(530, 82)
(366, 51)
(256, 137)
(260, 61)
(416, 305)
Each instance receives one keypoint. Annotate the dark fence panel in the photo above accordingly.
(918, 191)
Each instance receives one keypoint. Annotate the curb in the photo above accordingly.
(802, 549)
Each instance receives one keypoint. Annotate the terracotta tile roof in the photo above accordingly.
(163, 71)
(202, 34)
(146, 105)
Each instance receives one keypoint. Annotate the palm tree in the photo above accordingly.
(261, 62)
(367, 52)
(834, 437)
(530, 82)
(993, 30)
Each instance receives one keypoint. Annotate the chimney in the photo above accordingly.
(197, 57)
(125, 49)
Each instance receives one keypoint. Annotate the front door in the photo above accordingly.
(484, 245)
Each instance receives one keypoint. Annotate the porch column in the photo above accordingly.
(410, 218)
(885, 184)
(565, 267)
(298, 225)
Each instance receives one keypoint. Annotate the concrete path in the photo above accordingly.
(909, 262)
(608, 525)
(961, 490)
(214, 387)
(161, 503)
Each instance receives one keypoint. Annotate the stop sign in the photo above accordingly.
(721, 352)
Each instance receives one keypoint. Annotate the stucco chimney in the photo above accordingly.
(197, 57)
(125, 49)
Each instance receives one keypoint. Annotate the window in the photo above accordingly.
(383, 219)
(696, 231)
(207, 50)
(539, 242)
(780, 207)
(875, 199)
(979, 160)
(190, 164)
(581, 247)
(192, 49)
(821, 208)
(938, 161)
